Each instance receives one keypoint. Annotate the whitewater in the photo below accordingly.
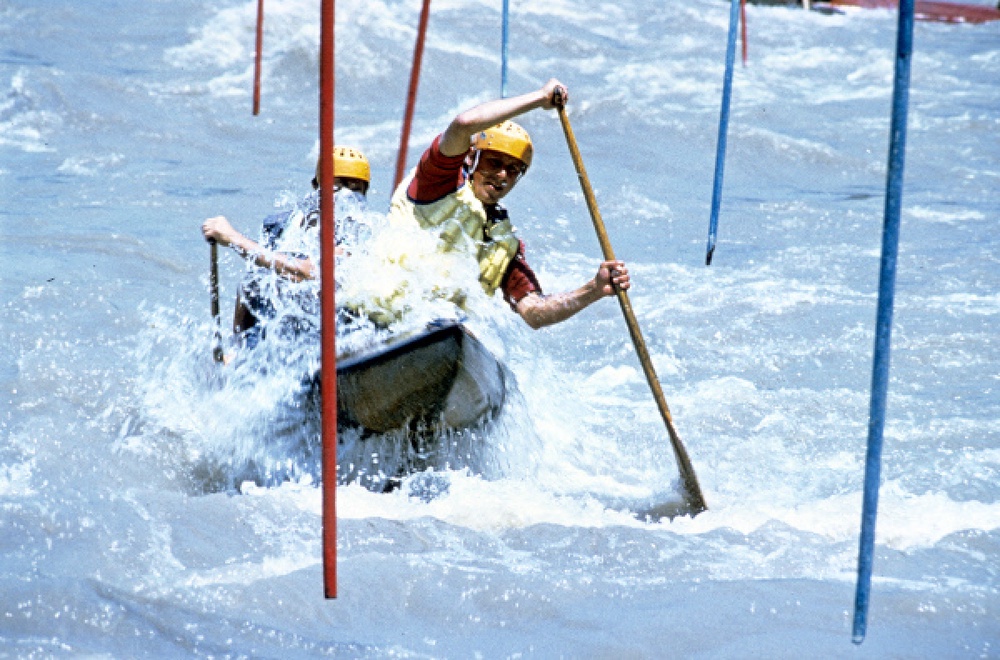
(132, 523)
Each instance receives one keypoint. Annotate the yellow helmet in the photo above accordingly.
(507, 138)
(348, 162)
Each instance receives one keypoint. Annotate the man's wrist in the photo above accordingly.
(592, 292)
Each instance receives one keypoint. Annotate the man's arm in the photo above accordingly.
(540, 311)
(455, 139)
(219, 230)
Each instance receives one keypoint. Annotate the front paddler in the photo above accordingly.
(456, 189)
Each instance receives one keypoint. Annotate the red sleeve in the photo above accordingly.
(437, 175)
(519, 280)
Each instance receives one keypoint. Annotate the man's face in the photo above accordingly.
(495, 176)
(357, 185)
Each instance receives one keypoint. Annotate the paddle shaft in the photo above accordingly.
(214, 285)
(694, 496)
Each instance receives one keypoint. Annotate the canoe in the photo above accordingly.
(441, 377)
(929, 10)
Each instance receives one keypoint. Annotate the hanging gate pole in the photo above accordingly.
(883, 325)
(743, 29)
(720, 154)
(411, 96)
(503, 49)
(257, 57)
(328, 304)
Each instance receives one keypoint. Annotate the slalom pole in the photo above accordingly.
(257, 58)
(503, 49)
(720, 154)
(328, 303)
(411, 96)
(743, 29)
(213, 282)
(883, 325)
(692, 489)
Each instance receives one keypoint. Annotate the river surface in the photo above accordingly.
(127, 528)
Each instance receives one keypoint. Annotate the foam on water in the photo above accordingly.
(24, 125)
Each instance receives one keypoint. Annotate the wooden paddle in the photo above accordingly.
(693, 491)
(214, 284)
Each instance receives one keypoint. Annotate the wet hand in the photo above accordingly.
(218, 229)
(556, 94)
(611, 277)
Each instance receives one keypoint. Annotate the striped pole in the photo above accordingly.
(328, 304)
(720, 154)
(883, 324)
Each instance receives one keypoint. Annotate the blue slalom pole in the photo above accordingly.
(503, 50)
(720, 154)
(883, 325)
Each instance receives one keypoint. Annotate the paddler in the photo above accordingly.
(456, 189)
(289, 239)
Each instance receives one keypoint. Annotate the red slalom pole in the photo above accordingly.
(328, 304)
(257, 58)
(743, 28)
(411, 97)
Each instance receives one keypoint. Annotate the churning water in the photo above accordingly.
(127, 527)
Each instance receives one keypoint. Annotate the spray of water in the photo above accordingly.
(257, 418)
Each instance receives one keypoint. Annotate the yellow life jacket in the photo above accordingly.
(462, 225)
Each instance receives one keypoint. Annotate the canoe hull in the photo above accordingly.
(440, 377)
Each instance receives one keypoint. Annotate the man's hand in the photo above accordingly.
(219, 230)
(551, 100)
(612, 276)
